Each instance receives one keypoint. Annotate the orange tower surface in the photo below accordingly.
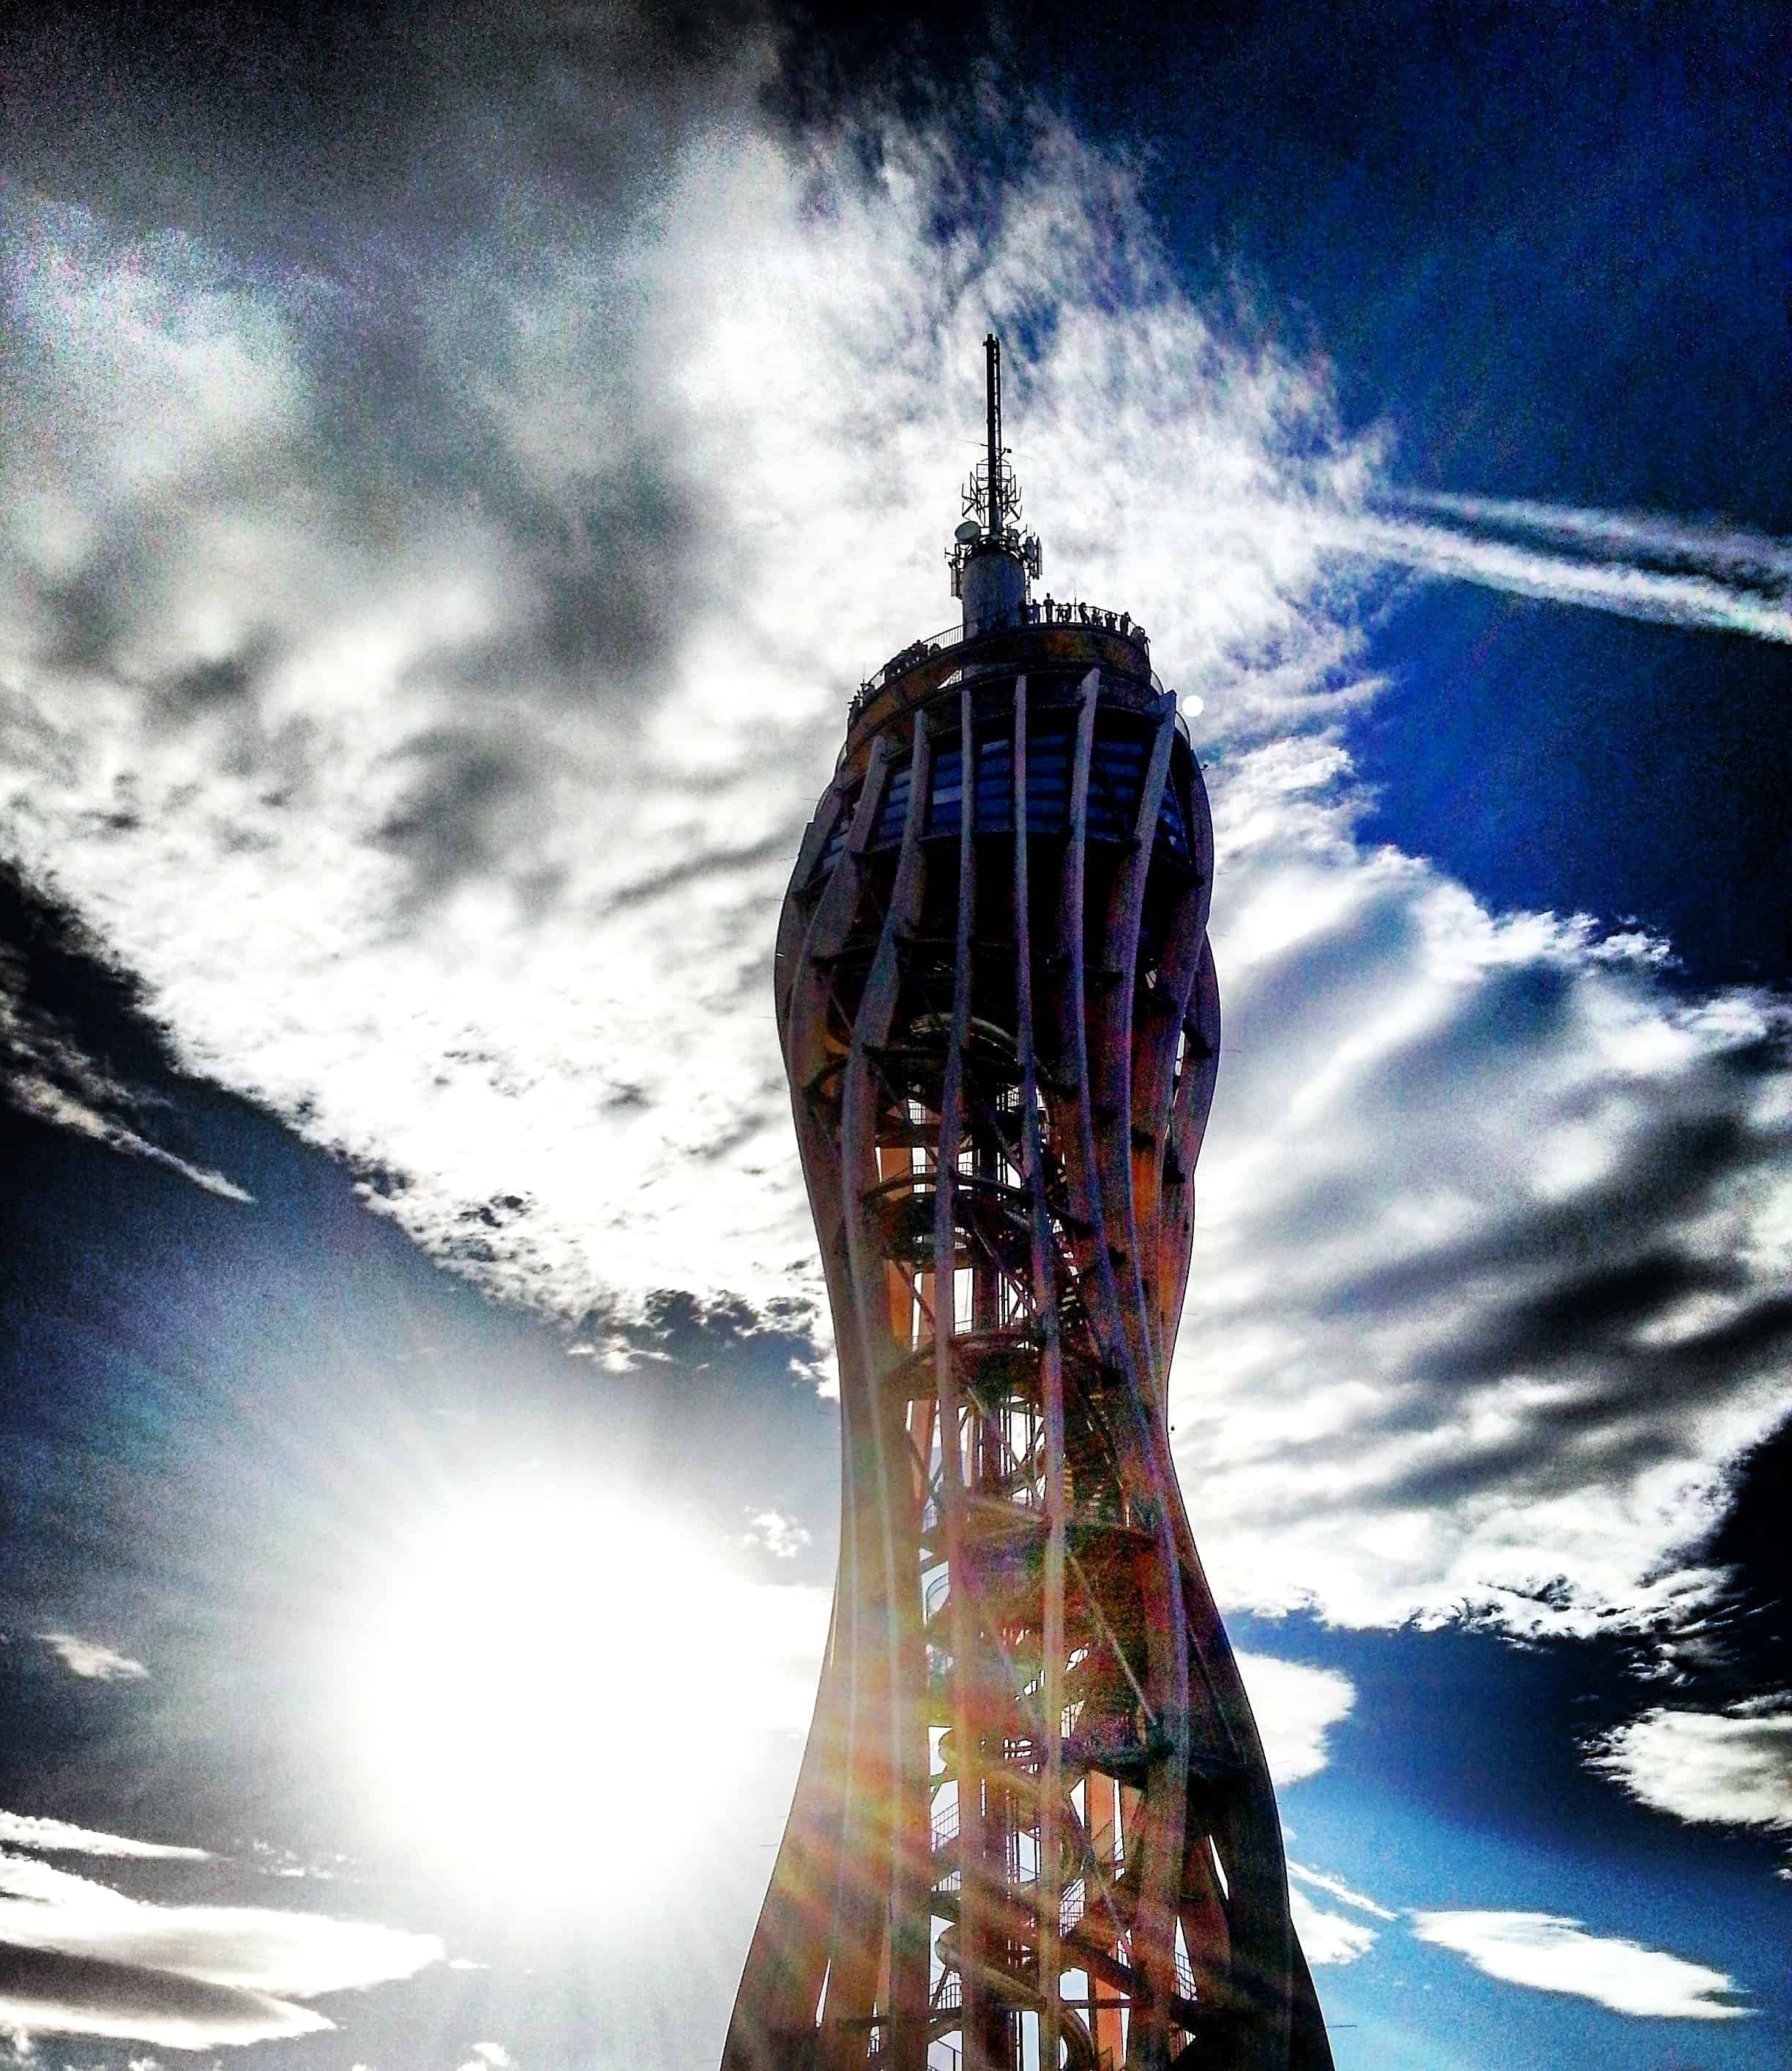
(1033, 1826)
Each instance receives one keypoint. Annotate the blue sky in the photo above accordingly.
(456, 472)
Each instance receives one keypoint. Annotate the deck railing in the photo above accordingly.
(1041, 612)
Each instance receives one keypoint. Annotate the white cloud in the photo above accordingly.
(778, 1534)
(1336, 1888)
(21, 1830)
(1731, 1769)
(59, 1995)
(92, 1662)
(1551, 1954)
(1328, 1938)
(1295, 1707)
(453, 826)
(1491, 1226)
(490, 2056)
(368, 894)
(85, 1959)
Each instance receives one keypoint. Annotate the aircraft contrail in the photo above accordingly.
(1717, 578)
(1709, 547)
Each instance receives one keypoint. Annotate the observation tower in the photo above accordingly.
(1033, 1827)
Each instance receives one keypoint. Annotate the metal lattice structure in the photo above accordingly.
(1033, 1826)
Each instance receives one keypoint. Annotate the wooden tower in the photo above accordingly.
(1033, 1826)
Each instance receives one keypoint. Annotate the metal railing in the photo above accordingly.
(1042, 612)
(1073, 1902)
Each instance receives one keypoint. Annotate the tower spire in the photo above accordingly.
(994, 511)
(991, 559)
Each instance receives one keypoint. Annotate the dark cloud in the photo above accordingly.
(1623, 1416)
(1662, 1173)
(289, 132)
(380, 261)
(1614, 1395)
(718, 864)
(1609, 1301)
(452, 817)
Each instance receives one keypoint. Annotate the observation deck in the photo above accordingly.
(1039, 636)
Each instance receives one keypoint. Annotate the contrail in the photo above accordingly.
(1718, 578)
(1750, 559)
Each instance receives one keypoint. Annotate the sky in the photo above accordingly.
(457, 464)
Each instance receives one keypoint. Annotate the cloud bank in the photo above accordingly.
(423, 690)
(1492, 1242)
(489, 912)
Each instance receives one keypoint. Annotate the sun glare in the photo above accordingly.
(550, 1681)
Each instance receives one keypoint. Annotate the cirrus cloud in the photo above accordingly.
(1549, 1954)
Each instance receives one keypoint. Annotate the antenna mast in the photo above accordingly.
(989, 551)
(992, 354)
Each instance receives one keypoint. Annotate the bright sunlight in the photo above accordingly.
(549, 1678)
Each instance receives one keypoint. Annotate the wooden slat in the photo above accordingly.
(1044, 1292)
(884, 1919)
(967, 1722)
